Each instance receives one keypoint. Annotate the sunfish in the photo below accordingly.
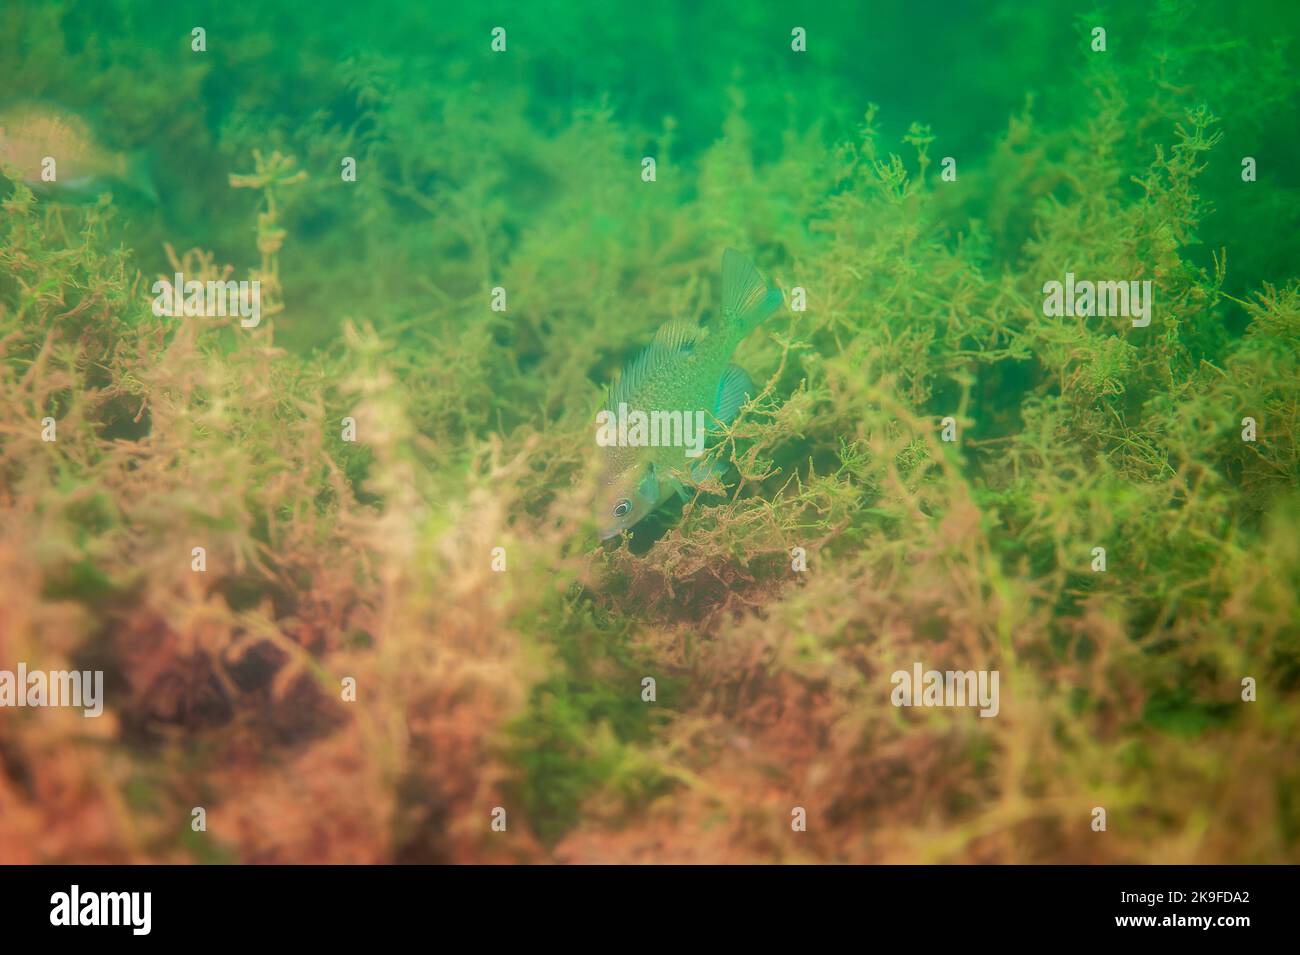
(33, 133)
(651, 428)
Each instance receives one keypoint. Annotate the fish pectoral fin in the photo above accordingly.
(695, 474)
(707, 469)
(649, 487)
(734, 388)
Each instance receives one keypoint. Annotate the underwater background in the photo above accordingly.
(445, 564)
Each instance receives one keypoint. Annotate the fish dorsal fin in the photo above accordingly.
(747, 299)
(678, 336)
(733, 388)
(672, 342)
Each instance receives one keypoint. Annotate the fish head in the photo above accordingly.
(625, 497)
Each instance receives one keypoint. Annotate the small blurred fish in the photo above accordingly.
(83, 167)
(686, 370)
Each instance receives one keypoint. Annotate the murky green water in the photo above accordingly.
(464, 221)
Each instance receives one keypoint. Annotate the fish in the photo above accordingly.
(32, 132)
(686, 370)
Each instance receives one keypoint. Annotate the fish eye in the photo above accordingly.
(622, 507)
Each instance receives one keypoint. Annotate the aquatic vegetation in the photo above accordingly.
(391, 482)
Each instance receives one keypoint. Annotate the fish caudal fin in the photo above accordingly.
(139, 174)
(747, 299)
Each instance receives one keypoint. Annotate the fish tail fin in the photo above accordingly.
(747, 299)
(140, 174)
